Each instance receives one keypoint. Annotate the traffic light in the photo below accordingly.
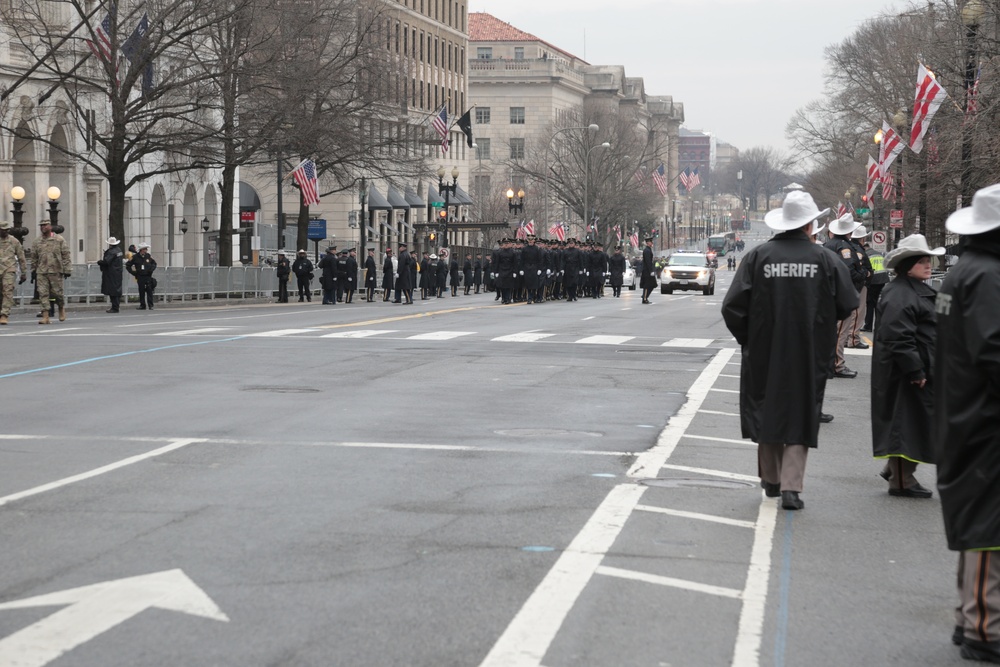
(433, 237)
(864, 201)
(443, 214)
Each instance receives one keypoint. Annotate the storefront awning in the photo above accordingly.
(433, 197)
(397, 200)
(462, 196)
(413, 199)
(377, 202)
(248, 197)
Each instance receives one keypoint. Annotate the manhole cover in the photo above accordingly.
(699, 483)
(544, 432)
(283, 390)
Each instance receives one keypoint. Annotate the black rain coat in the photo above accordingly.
(787, 326)
(111, 271)
(903, 351)
(967, 401)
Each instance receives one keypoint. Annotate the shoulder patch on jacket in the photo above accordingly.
(846, 253)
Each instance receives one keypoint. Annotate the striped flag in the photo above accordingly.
(529, 228)
(686, 178)
(305, 178)
(872, 177)
(972, 96)
(520, 233)
(660, 180)
(930, 96)
(889, 148)
(841, 209)
(440, 123)
(889, 186)
(618, 232)
(558, 230)
(102, 46)
(634, 239)
(695, 179)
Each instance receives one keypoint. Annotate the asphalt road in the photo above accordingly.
(448, 483)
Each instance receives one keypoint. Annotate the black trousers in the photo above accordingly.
(282, 290)
(145, 291)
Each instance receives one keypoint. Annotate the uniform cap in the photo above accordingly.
(5, 224)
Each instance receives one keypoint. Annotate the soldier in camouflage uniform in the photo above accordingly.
(50, 262)
(11, 259)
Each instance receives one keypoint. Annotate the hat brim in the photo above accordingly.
(963, 222)
(839, 228)
(776, 220)
(891, 260)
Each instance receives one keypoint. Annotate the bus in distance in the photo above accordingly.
(723, 243)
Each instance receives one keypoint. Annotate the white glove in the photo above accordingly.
(395, 275)
(350, 280)
(514, 275)
(522, 273)
(539, 272)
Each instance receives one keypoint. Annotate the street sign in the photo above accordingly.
(895, 219)
(437, 204)
(880, 241)
(862, 211)
(317, 230)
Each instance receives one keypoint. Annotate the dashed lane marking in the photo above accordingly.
(361, 333)
(527, 337)
(604, 340)
(689, 342)
(669, 581)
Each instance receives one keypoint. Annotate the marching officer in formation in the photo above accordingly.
(11, 261)
(328, 280)
(352, 275)
(616, 265)
(388, 273)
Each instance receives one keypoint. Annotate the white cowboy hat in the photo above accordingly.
(860, 232)
(845, 224)
(142, 245)
(113, 241)
(433, 256)
(797, 211)
(817, 227)
(914, 245)
(982, 216)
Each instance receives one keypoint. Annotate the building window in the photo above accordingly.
(484, 52)
(482, 115)
(517, 115)
(517, 149)
(482, 185)
(518, 53)
(483, 149)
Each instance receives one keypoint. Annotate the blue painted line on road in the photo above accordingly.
(538, 549)
(120, 354)
(784, 583)
(601, 474)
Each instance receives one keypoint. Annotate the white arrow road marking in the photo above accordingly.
(96, 609)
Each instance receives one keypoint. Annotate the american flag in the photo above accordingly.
(634, 239)
(686, 178)
(558, 230)
(841, 209)
(872, 177)
(889, 187)
(440, 123)
(618, 232)
(933, 155)
(695, 179)
(660, 180)
(305, 177)
(929, 98)
(529, 228)
(521, 233)
(102, 47)
(972, 96)
(889, 149)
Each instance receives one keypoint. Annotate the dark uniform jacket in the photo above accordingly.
(387, 271)
(455, 278)
(967, 402)
(533, 265)
(111, 271)
(328, 265)
(477, 273)
(903, 351)
(783, 307)
(352, 272)
(616, 265)
(506, 267)
(467, 272)
(302, 268)
(142, 266)
(648, 279)
(283, 268)
(403, 271)
(574, 271)
(371, 280)
(845, 251)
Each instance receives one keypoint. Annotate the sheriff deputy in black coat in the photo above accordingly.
(371, 276)
(966, 414)
(283, 271)
(442, 273)
(328, 281)
(783, 307)
(841, 229)
(111, 273)
(467, 273)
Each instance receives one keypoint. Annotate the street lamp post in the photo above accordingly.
(363, 221)
(448, 189)
(593, 127)
(53, 194)
(972, 14)
(19, 231)
(515, 207)
(586, 184)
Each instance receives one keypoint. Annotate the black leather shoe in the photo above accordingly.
(865, 329)
(885, 473)
(846, 373)
(859, 346)
(770, 490)
(973, 649)
(915, 491)
(825, 418)
(958, 636)
(111, 310)
(790, 500)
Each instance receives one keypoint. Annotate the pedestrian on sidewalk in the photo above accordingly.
(902, 394)
(11, 260)
(141, 266)
(783, 306)
(111, 274)
(966, 414)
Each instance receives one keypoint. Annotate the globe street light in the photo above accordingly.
(53, 193)
(593, 127)
(448, 189)
(586, 182)
(19, 231)
(512, 205)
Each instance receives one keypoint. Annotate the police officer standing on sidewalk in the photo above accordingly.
(141, 266)
(786, 298)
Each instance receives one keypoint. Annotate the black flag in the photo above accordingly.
(465, 125)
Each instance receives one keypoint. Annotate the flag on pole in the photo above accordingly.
(521, 233)
(930, 96)
(102, 46)
(634, 239)
(972, 96)
(305, 178)
(872, 182)
(558, 230)
(686, 178)
(695, 179)
(889, 148)
(618, 232)
(889, 187)
(135, 49)
(439, 122)
(465, 125)
(660, 180)
(841, 209)
(529, 228)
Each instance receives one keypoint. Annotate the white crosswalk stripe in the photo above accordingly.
(522, 338)
(280, 332)
(194, 332)
(689, 342)
(605, 340)
(440, 335)
(362, 333)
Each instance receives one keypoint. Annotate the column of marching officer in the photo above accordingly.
(529, 270)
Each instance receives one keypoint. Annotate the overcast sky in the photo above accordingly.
(741, 67)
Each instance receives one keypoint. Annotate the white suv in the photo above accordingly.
(689, 270)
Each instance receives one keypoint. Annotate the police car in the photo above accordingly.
(688, 271)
